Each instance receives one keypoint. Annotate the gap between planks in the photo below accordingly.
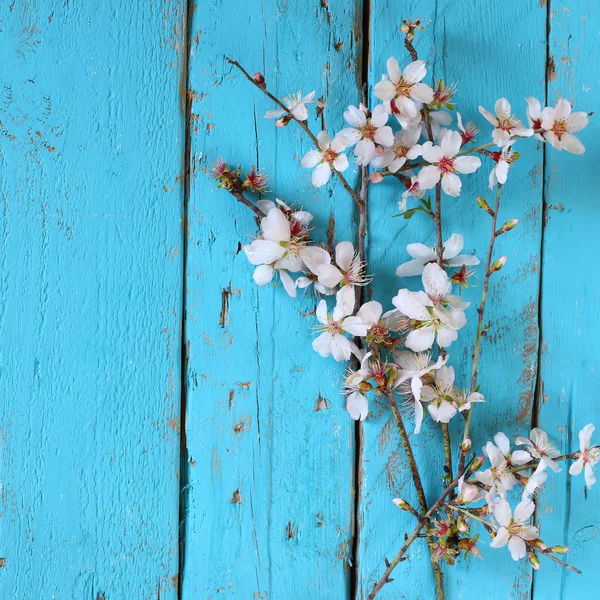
(184, 465)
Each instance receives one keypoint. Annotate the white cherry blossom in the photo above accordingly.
(427, 313)
(541, 448)
(514, 530)
(516, 458)
(367, 130)
(560, 125)
(329, 156)
(332, 341)
(445, 164)
(505, 124)
(296, 104)
(403, 147)
(348, 272)
(467, 492)
(589, 456)
(403, 88)
(283, 246)
(502, 161)
(535, 116)
(423, 255)
(534, 483)
(439, 396)
(413, 366)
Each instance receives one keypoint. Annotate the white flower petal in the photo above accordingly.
(409, 305)
(358, 406)
(288, 283)
(451, 184)
(420, 339)
(314, 257)
(311, 159)
(275, 226)
(467, 164)
(329, 275)
(261, 252)
(321, 174)
(263, 274)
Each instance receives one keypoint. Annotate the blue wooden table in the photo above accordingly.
(166, 430)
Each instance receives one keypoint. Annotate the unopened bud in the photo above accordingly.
(391, 377)
(477, 464)
(538, 544)
(484, 205)
(466, 445)
(283, 121)
(376, 177)
(400, 503)
(507, 226)
(559, 549)
(259, 79)
(461, 525)
(379, 150)
(533, 560)
(498, 264)
(364, 386)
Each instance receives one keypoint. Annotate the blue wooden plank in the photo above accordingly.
(479, 64)
(90, 293)
(569, 368)
(270, 446)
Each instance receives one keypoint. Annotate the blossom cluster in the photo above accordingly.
(399, 349)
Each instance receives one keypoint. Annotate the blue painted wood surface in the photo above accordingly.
(267, 501)
(90, 295)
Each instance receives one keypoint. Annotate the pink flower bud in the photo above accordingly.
(533, 560)
(400, 503)
(538, 544)
(477, 463)
(376, 177)
(379, 150)
(259, 79)
(507, 226)
(484, 205)
(498, 264)
(559, 549)
(283, 121)
(466, 445)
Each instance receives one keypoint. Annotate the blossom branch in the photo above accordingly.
(302, 124)
(491, 526)
(423, 519)
(241, 198)
(414, 470)
(480, 312)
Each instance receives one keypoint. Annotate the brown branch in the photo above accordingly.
(416, 477)
(414, 535)
(241, 198)
(490, 526)
(302, 124)
(480, 313)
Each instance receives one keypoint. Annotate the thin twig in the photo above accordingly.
(416, 477)
(493, 527)
(302, 124)
(480, 313)
(241, 198)
(413, 536)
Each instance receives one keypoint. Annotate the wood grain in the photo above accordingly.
(90, 295)
(479, 64)
(270, 446)
(569, 375)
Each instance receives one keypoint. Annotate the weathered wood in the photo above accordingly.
(90, 294)
(569, 377)
(269, 505)
(503, 53)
